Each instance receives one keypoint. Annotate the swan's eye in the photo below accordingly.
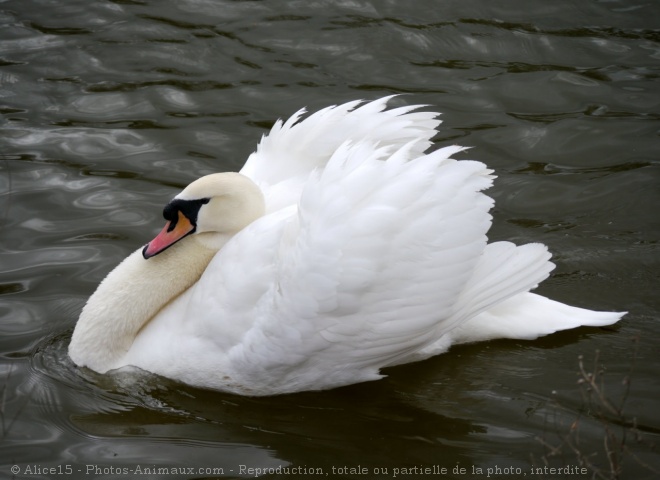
(189, 209)
(169, 213)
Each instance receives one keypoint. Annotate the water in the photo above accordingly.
(110, 107)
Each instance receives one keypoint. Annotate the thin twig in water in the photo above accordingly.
(618, 429)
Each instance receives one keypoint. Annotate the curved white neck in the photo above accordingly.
(131, 295)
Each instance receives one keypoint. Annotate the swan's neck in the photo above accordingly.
(131, 295)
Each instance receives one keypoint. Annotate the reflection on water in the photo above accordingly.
(110, 107)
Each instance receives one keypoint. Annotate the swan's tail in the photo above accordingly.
(527, 316)
(498, 303)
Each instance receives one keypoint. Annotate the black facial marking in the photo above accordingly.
(189, 208)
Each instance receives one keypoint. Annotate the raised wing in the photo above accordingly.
(369, 269)
(292, 150)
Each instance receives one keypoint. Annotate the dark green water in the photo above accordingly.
(110, 107)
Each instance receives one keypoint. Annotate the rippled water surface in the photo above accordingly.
(110, 107)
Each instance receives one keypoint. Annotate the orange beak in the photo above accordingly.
(168, 236)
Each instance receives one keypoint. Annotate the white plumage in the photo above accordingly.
(364, 253)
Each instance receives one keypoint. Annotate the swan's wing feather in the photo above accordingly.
(292, 150)
(379, 251)
(504, 270)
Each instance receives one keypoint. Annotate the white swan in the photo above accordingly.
(339, 249)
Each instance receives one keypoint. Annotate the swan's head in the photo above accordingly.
(215, 207)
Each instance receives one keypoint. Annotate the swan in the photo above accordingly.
(340, 248)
